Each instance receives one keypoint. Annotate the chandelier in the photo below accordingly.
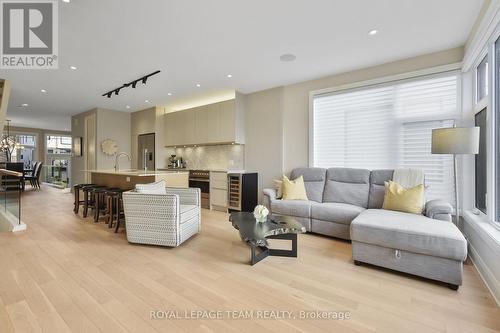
(8, 143)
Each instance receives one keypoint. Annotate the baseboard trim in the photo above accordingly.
(486, 275)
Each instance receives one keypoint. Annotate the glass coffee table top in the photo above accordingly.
(256, 234)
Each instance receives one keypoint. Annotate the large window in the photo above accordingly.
(27, 152)
(57, 160)
(481, 163)
(388, 126)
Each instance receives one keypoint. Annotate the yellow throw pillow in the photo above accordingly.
(294, 189)
(404, 200)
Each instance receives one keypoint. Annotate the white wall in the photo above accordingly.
(78, 162)
(264, 135)
(114, 125)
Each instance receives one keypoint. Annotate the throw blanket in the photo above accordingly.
(408, 178)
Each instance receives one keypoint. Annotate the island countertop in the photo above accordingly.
(140, 173)
(127, 179)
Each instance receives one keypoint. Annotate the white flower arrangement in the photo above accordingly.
(260, 213)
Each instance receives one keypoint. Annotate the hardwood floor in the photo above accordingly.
(66, 273)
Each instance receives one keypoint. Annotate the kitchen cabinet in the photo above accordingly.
(218, 190)
(188, 127)
(201, 126)
(226, 120)
(218, 123)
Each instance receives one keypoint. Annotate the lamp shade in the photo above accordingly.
(455, 140)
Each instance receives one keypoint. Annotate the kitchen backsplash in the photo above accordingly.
(213, 157)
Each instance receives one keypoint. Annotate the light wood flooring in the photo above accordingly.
(67, 274)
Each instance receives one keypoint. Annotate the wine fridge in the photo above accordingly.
(242, 191)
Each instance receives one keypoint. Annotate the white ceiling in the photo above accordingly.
(116, 41)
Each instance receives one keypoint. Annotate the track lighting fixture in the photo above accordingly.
(116, 91)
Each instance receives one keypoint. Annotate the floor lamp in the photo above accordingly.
(455, 141)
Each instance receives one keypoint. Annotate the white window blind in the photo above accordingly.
(388, 126)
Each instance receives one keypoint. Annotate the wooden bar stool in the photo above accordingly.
(99, 202)
(115, 204)
(89, 198)
(76, 190)
(108, 199)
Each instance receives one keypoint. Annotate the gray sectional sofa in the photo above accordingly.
(347, 203)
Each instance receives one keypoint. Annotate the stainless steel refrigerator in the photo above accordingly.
(146, 151)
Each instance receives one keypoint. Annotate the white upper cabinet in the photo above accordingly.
(218, 123)
(227, 116)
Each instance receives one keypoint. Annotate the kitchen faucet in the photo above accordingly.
(117, 165)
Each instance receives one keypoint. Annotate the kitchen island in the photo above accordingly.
(127, 179)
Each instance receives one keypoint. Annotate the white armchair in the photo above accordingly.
(159, 219)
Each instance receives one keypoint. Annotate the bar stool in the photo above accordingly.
(76, 190)
(107, 198)
(89, 198)
(99, 202)
(115, 207)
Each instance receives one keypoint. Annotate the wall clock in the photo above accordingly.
(109, 147)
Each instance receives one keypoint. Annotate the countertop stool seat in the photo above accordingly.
(76, 190)
(89, 197)
(115, 207)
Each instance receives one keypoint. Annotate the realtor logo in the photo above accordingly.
(29, 34)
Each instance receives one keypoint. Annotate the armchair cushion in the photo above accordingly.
(152, 188)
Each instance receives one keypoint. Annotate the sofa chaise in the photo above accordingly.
(347, 203)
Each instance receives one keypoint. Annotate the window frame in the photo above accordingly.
(490, 103)
(384, 81)
(484, 99)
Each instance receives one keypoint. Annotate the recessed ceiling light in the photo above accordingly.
(373, 32)
(198, 85)
(169, 94)
(23, 105)
(73, 68)
(229, 75)
(127, 106)
(146, 101)
(43, 90)
(67, 1)
(287, 57)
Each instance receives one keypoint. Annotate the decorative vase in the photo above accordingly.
(261, 219)
(260, 213)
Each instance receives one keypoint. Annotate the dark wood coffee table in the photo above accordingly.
(256, 234)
